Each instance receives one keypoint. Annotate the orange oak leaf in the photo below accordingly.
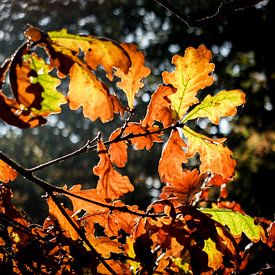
(111, 185)
(159, 108)
(222, 104)
(64, 225)
(87, 91)
(184, 187)
(143, 141)
(118, 150)
(191, 74)
(117, 266)
(172, 158)
(131, 81)
(6, 172)
(97, 51)
(91, 194)
(214, 156)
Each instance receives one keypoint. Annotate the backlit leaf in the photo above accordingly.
(215, 257)
(191, 74)
(143, 141)
(214, 156)
(184, 187)
(111, 185)
(172, 158)
(131, 81)
(64, 225)
(159, 108)
(237, 223)
(86, 91)
(222, 104)
(41, 79)
(6, 172)
(97, 51)
(118, 150)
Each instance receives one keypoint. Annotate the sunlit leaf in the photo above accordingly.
(184, 187)
(237, 223)
(40, 78)
(86, 91)
(214, 156)
(215, 257)
(118, 150)
(63, 223)
(143, 141)
(172, 158)
(6, 172)
(111, 184)
(97, 51)
(222, 104)
(191, 74)
(131, 81)
(159, 108)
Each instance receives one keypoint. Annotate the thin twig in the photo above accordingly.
(90, 146)
(87, 147)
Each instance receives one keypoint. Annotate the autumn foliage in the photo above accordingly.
(181, 233)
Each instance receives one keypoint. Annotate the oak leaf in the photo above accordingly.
(97, 51)
(214, 156)
(118, 150)
(184, 187)
(222, 104)
(237, 223)
(111, 185)
(172, 158)
(159, 108)
(87, 91)
(6, 172)
(63, 223)
(131, 81)
(191, 74)
(144, 140)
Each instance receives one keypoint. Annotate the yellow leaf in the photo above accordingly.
(214, 157)
(191, 74)
(131, 82)
(222, 104)
(215, 257)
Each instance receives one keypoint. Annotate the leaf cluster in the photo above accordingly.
(99, 233)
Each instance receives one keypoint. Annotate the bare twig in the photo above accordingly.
(90, 146)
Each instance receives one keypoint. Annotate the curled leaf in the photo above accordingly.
(97, 51)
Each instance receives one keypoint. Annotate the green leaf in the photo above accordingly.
(222, 104)
(51, 98)
(237, 223)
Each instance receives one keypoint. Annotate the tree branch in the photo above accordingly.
(90, 146)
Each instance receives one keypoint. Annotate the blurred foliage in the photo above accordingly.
(244, 56)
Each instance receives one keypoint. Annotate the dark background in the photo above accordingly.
(240, 35)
